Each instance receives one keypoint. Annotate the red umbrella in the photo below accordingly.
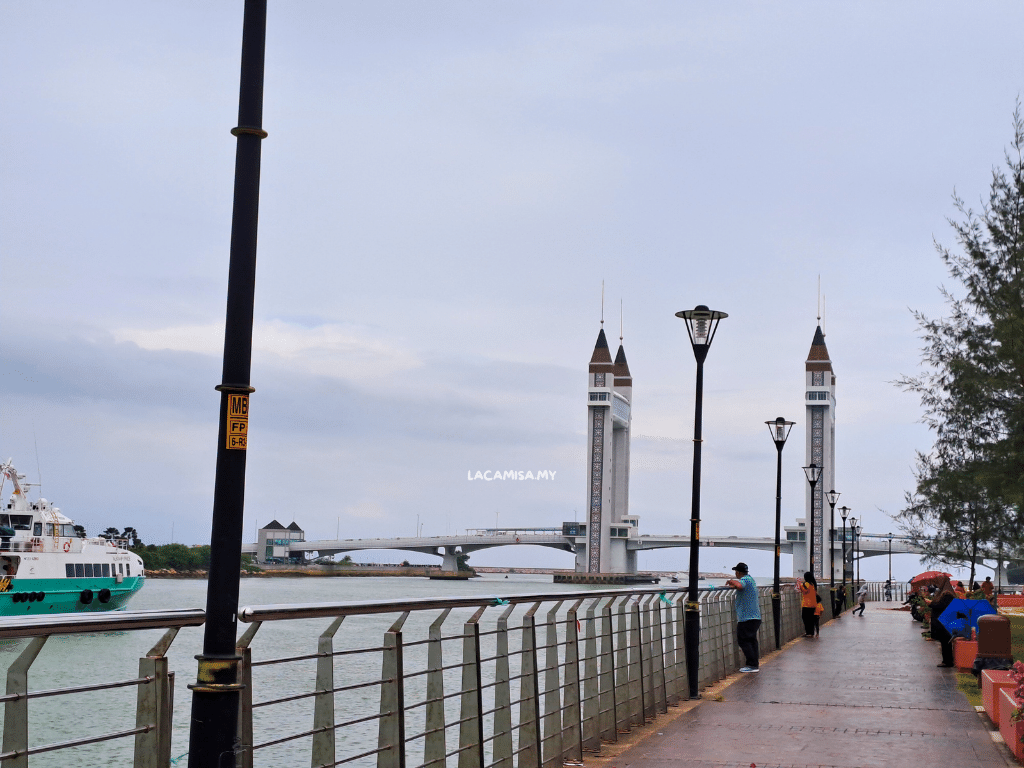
(929, 578)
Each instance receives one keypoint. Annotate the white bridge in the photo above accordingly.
(448, 548)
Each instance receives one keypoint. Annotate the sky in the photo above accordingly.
(444, 189)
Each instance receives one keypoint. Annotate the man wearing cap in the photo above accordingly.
(748, 615)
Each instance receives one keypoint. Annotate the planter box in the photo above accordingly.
(993, 681)
(1011, 601)
(964, 653)
(1011, 732)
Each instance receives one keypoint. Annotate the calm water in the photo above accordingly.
(114, 656)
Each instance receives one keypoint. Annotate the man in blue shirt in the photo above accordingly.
(748, 615)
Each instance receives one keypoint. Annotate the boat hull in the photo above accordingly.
(21, 596)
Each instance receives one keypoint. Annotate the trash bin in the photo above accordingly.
(994, 637)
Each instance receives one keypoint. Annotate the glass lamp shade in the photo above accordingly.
(832, 497)
(844, 511)
(701, 324)
(779, 430)
(859, 528)
(813, 473)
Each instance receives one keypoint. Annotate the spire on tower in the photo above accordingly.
(602, 356)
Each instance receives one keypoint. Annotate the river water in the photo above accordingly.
(113, 656)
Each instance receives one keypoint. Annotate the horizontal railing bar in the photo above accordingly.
(364, 607)
(77, 742)
(76, 689)
(286, 659)
(356, 757)
(295, 697)
(112, 621)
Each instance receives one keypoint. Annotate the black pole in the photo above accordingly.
(831, 551)
(843, 608)
(856, 554)
(776, 586)
(691, 636)
(810, 542)
(890, 566)
(215, 695)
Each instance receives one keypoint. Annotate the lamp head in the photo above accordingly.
(813, 473)
(833, 498)
(701, 324)
(779, 430)
(844, 511)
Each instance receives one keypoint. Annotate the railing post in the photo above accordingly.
(243, 756)
(636, 672)
(324, 750)
(434, 744)
(154, 706)
(471, 730)
(658, 652)
(606, 704)
(623, 702)
(552, 720)
(679, 685)
(16, 712)
(647, 657)
(502, 751)
(391, 731)
(529, 696)
(590, 737)
(572, 732)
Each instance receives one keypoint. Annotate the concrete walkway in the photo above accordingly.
(866, 694)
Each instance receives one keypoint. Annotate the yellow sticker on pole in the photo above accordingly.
(238, 422)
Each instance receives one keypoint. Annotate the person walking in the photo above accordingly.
(809, 601)
(943, 598)
(748, 616)
(862, 595)
(818, 610)
(988, 589)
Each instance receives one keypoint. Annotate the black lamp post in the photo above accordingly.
(813, 473)
(890, 566)
(856, 549)
(701, 324)
(212, 738)
(833, 498)
(779, 430)
(844, 511)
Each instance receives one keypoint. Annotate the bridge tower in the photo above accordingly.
(820, 386)
(601, 544)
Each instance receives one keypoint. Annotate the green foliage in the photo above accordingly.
(174, 556)
(969, 488)
(463, 563)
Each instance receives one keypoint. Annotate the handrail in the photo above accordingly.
(82, 623)
(279, 612)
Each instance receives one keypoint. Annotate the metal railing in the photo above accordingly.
(155, 683)
(534, 680)
(517, 681)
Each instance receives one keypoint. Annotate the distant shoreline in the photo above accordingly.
(414, 571)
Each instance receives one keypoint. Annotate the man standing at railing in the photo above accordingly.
(748, 616)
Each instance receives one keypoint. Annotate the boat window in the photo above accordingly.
(21, 522)
(49, 529)
(127, 569)
(37, 529)
(69, 570)
(79, 571)
(68, 531)
(5, 520)
(88, 570)
(120, 568)
(106, 570)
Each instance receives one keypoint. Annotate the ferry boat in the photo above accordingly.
(46, 567)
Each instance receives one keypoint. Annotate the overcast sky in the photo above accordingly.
(444, 188)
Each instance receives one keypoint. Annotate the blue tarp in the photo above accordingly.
(961, 614)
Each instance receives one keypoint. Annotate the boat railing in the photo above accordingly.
(155, 683)
(526, 680)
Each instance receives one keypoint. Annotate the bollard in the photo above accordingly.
(994, 637)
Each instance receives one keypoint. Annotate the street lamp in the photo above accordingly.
(701, 324)
(779, 430)
(833, 498)
(813, 473)
(844, 511)
(890, 565)
(856, 540)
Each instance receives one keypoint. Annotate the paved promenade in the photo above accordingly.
(866, 694)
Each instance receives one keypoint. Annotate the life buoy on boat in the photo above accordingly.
(67, 546)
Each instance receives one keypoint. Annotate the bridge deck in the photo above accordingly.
(866, 694)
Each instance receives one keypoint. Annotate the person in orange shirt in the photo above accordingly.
(818, 610)
(809, 601)
(960, 591)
